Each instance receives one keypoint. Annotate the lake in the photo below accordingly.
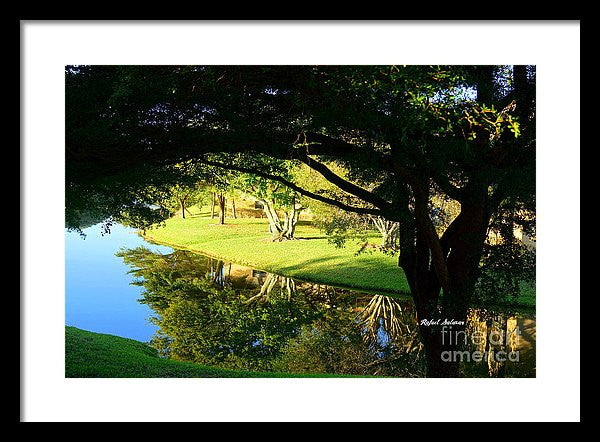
(98, 295)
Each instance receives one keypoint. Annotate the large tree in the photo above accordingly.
(281, 205)
(404, 133)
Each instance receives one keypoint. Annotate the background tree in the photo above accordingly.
(281, 205)
(215, 185)
(183, 197)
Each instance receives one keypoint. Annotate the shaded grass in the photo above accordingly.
(97, 355)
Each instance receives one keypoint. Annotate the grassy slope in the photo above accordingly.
(96, 355)
(247, 241)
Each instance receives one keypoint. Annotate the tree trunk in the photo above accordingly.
(289, 285)
(281, 230)
(182, 206)
(265, 289)
(443, 267)
(222, 208)
(212, 205)
(293, 222)
(443, 350)
(388, 230)
(275, 228)
(233, 208)
(443, 331)
(218, 276)
(291, 219)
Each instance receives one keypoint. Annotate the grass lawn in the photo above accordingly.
(311, 258)
(97, 355)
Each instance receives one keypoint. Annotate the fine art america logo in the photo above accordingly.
(502, 345)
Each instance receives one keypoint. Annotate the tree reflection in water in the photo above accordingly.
(231, 316)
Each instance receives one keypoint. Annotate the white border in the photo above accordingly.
(554, 47)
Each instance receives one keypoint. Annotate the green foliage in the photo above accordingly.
(507, 274)
(343, 343)
(323, 349)
(340, 226)
(430, 111)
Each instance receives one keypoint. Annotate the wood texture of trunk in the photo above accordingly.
(233, 209)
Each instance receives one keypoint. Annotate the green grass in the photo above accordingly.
(311, 258)
(97, 355)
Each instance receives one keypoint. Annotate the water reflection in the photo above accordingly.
(506, 342)
(227, 315)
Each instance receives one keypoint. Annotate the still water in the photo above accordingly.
(98, 293)
(195, 308)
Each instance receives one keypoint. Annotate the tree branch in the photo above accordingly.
(347, 186)
(363, 210)
(431, 237)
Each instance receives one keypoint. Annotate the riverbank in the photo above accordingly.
(311, 257)
(98, 355)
